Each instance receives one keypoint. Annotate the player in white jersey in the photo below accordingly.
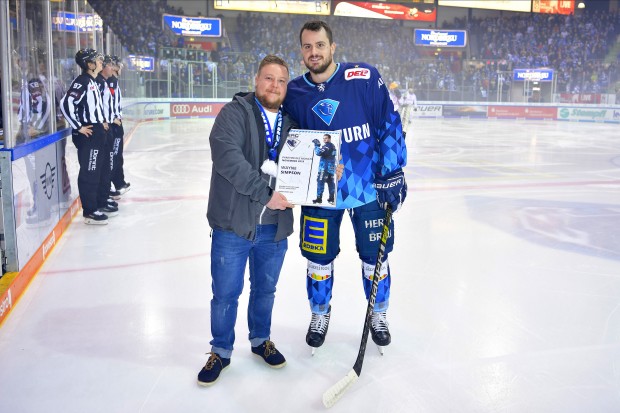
(409, 103)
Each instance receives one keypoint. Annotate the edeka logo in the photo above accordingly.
(191, 109)
(47, 180)
(314, 236)
(6, 304)
(326, 109)
(564, 113)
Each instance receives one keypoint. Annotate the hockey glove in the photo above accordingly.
(391, 189)
(316, 142)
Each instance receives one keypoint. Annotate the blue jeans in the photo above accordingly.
(229, 255)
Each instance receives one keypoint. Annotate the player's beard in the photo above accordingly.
(321, 68)
(269, 101)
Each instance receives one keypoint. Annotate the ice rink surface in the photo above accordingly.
(505, 288)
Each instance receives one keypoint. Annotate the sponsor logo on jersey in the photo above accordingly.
(356, 133)
(356, 73)
(314, 236)
(326, 109)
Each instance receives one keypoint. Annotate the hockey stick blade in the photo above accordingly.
(334, 393)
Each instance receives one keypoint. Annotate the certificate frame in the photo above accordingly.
(299, 166)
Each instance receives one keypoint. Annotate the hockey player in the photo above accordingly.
(409, 104)
(327, 168)
(82, 107)
(353, 98)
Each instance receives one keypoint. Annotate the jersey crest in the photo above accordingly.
(326, 109)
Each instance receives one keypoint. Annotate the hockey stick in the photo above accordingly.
(334, 393)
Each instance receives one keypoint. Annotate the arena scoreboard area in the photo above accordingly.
(278, 6)
(415, 10)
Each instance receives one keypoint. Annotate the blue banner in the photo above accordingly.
(65, 21)
(445, 38)
(533, 75)
(141, 63)
(193, 26)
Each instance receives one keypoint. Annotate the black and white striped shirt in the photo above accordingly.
(34, 109)
(106, 95)
(83, 104)
(115, 91)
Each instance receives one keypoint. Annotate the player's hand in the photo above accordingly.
(86, 130)
(117, 121)
(391, 189)
(316, 142)
(278, 201)
(339, 170)
(106, 126)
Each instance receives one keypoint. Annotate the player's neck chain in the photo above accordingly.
(272, 140)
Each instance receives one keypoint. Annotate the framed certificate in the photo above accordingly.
(307, 167)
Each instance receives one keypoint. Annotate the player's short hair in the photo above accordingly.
(327, 135)
(316, 26)
(272, 59)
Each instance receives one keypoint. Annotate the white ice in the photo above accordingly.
(505, 288)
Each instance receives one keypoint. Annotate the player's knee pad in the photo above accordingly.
(319, 238)
(319, 282)
(383, 287)
(368, 226)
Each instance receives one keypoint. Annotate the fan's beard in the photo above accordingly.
(272, 105)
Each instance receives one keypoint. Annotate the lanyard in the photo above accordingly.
(272, 143)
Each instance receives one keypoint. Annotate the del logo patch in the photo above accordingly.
(326, 109)
(314, 236)
(357, 73)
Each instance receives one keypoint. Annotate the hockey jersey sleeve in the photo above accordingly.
(388, 128)
(70, 101)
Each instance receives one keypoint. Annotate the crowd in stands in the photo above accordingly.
(138, 23)
(575, 46)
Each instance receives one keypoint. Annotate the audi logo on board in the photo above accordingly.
(191, 109)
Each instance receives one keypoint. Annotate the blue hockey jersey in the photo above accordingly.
(356, 101)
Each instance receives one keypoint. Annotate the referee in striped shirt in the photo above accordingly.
(82, 107)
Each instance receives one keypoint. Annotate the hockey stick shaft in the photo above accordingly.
(334, 393)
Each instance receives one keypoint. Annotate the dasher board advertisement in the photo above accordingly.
(307, 167)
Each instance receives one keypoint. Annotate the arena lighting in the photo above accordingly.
(581, 5)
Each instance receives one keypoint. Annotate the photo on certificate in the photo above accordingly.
(307, 167)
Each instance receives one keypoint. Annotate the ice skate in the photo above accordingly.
(379, 331)
(318, 200)
(96, 218)
(318, 329)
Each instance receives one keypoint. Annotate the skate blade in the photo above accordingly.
(381, 349)
(89, 221)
